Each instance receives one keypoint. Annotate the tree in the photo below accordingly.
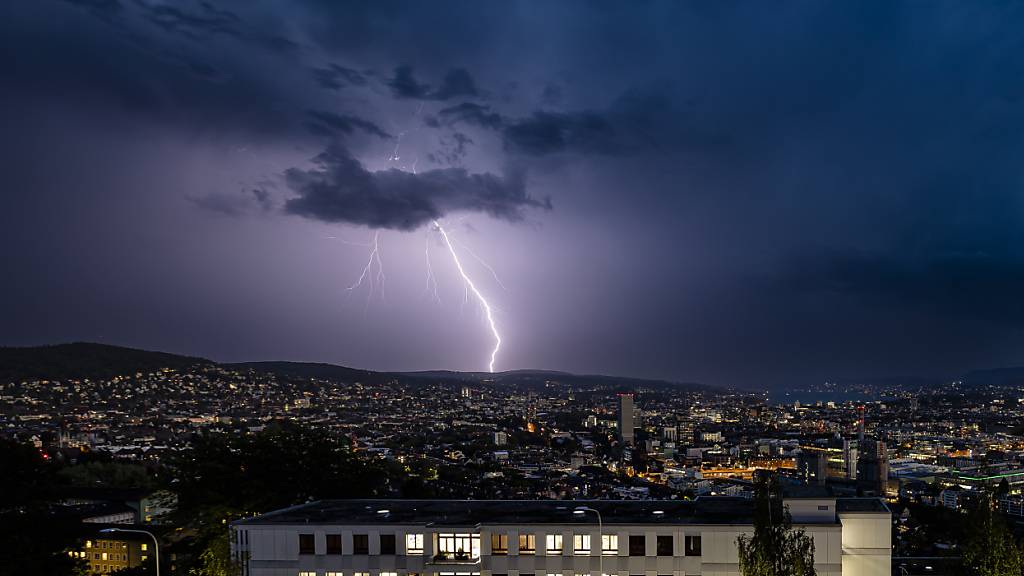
(36, 537)
(989, 547)
(225, 477)
(776, 548)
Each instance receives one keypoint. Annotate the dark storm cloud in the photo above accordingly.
(341, 189)
(541, 133)
(469, 113)
(978, 285)
(331, 124)
(336, 77)
(202, 19)
(700, 153)
(101, 8)
(550, 133)
(405, 85)
(636, 122)
(456, 83)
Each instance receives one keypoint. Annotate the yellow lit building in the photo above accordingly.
(106, 555)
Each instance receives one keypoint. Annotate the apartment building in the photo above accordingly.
(547, 538)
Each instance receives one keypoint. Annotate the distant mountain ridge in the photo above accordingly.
(1013, 376)
(82, 360)
(87, 360)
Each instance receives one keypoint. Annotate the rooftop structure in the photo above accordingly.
(553, 537)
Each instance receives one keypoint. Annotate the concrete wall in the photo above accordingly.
(858, 547)
(867, 544)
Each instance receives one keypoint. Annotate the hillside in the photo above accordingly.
(81, 360)
(307, 370)
(995, 377)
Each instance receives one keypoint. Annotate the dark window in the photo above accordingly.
(387, 544)
(361, 544)
(307, 545)
(334, 543)
(665, 545)
(822, 507)
(637, 545)
(693, 545)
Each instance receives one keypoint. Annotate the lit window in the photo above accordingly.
(145, 547)
(144, 557)
(332, 574)
(527, 544)
(88, 543)
(553, 544)
(610, 544)
(499, 544)
(581, 544)
(414, 543)
(307, 573)
(103, 556)
(389, 574)
(361, 574)
(458, 546)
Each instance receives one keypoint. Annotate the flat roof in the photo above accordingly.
(703, 510)
(861, 505)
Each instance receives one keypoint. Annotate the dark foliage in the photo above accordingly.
(36, 537)
(776, 548)
(84, 360)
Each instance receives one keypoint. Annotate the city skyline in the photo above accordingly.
(738, 194)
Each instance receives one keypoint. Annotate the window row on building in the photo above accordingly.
(466, 546)
(338, 573)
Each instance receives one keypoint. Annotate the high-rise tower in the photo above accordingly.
(626, 418)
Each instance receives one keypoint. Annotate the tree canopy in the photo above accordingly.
(989, 548)
(775, 548)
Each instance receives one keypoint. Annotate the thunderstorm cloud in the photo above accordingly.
(340, 189)
(748, 193)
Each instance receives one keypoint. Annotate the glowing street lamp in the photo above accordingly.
(580, 511)
(156, 544)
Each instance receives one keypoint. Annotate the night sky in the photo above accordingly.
(753, 194)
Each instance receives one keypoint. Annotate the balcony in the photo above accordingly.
(458, 558)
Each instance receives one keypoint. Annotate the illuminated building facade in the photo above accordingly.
(547, 537)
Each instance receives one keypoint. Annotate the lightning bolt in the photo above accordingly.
(483, 263)
(431, 279)
(470, 287)
(374, 281)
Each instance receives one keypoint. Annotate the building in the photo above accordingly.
(812, 465)
(547, 537)
(626, 421)
(873, 467)
(107, 553)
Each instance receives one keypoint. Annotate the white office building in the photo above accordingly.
(547, 538)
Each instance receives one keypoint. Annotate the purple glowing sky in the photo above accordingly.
(741, 195)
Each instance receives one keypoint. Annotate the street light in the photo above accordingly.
(156, 545)
(580, 511)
